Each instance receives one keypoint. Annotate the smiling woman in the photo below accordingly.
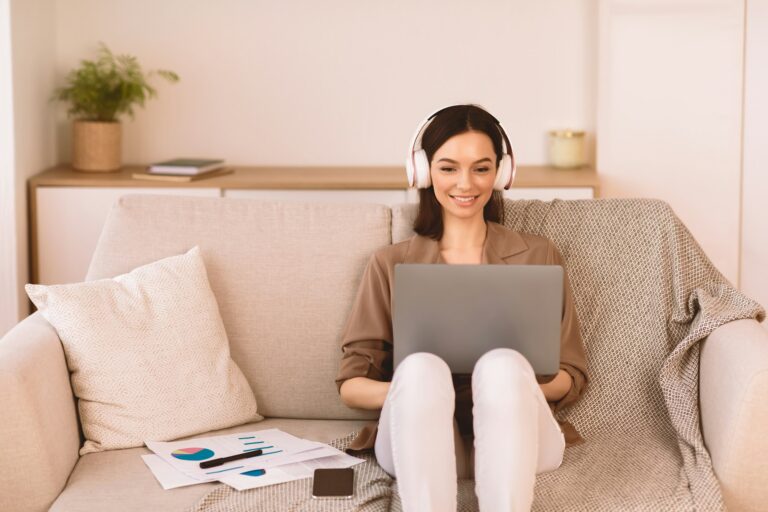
(466, 143)
(428, 415)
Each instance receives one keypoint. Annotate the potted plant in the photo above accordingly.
(98, 93)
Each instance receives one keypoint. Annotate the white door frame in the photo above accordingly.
(9, 267)
(754, 239)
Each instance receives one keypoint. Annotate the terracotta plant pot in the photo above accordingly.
(96, 146)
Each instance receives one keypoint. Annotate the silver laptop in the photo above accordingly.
(459, 312)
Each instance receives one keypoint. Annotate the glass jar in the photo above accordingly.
(567, 149)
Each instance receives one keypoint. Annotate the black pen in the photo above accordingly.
(223, 460)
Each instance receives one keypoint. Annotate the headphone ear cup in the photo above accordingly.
(504, 173)
(421, 169)
(409, 171)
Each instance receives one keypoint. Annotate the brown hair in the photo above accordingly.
(446, 123)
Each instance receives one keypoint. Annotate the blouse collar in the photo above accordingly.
(500, 243)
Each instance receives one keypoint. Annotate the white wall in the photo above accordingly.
(669, 113)
(339, 82)
(754, 248)
(33, 27)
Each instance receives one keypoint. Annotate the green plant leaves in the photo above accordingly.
(104, 89)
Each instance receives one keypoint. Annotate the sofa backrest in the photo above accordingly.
(284, 274)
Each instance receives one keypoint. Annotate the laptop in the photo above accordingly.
(459, 312)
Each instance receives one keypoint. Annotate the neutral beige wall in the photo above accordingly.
(302, 82)
(339, 82)
(754, 256)
(33, 30)
(669, 112)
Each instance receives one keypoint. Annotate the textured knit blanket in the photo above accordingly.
(646, 294)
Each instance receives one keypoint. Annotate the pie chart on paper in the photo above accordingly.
(254, 472)
(192, 453)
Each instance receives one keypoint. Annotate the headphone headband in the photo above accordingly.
(417, 165)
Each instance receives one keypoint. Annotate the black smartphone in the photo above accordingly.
(333, 483)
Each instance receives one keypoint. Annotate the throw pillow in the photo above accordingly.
(148, 354)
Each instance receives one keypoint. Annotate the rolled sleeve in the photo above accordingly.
(576, 390)
(365, 359)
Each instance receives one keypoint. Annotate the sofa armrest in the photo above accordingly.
(39, 436)
(733, 389)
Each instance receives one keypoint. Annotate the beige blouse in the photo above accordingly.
(367, 337)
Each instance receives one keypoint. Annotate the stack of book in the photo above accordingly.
(184, 169)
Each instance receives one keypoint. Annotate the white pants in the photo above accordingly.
(516, 436)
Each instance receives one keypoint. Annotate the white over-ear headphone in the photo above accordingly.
(417, 164)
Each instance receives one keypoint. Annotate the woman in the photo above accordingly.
(427, 414)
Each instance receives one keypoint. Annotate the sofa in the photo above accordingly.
(284, 275)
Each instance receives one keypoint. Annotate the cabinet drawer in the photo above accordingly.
(550, 193)
(387, 197)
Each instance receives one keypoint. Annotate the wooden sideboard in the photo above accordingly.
(67, 208)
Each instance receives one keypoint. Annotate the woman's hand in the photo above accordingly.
(364, 393)
(558, 387)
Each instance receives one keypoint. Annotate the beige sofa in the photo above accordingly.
(285, 275)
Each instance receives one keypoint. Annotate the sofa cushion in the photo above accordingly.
(284, 275)
(148, 354)
(119, 480)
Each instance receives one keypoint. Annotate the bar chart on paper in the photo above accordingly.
(250, 444)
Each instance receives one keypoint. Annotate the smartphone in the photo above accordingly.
(333, 483)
